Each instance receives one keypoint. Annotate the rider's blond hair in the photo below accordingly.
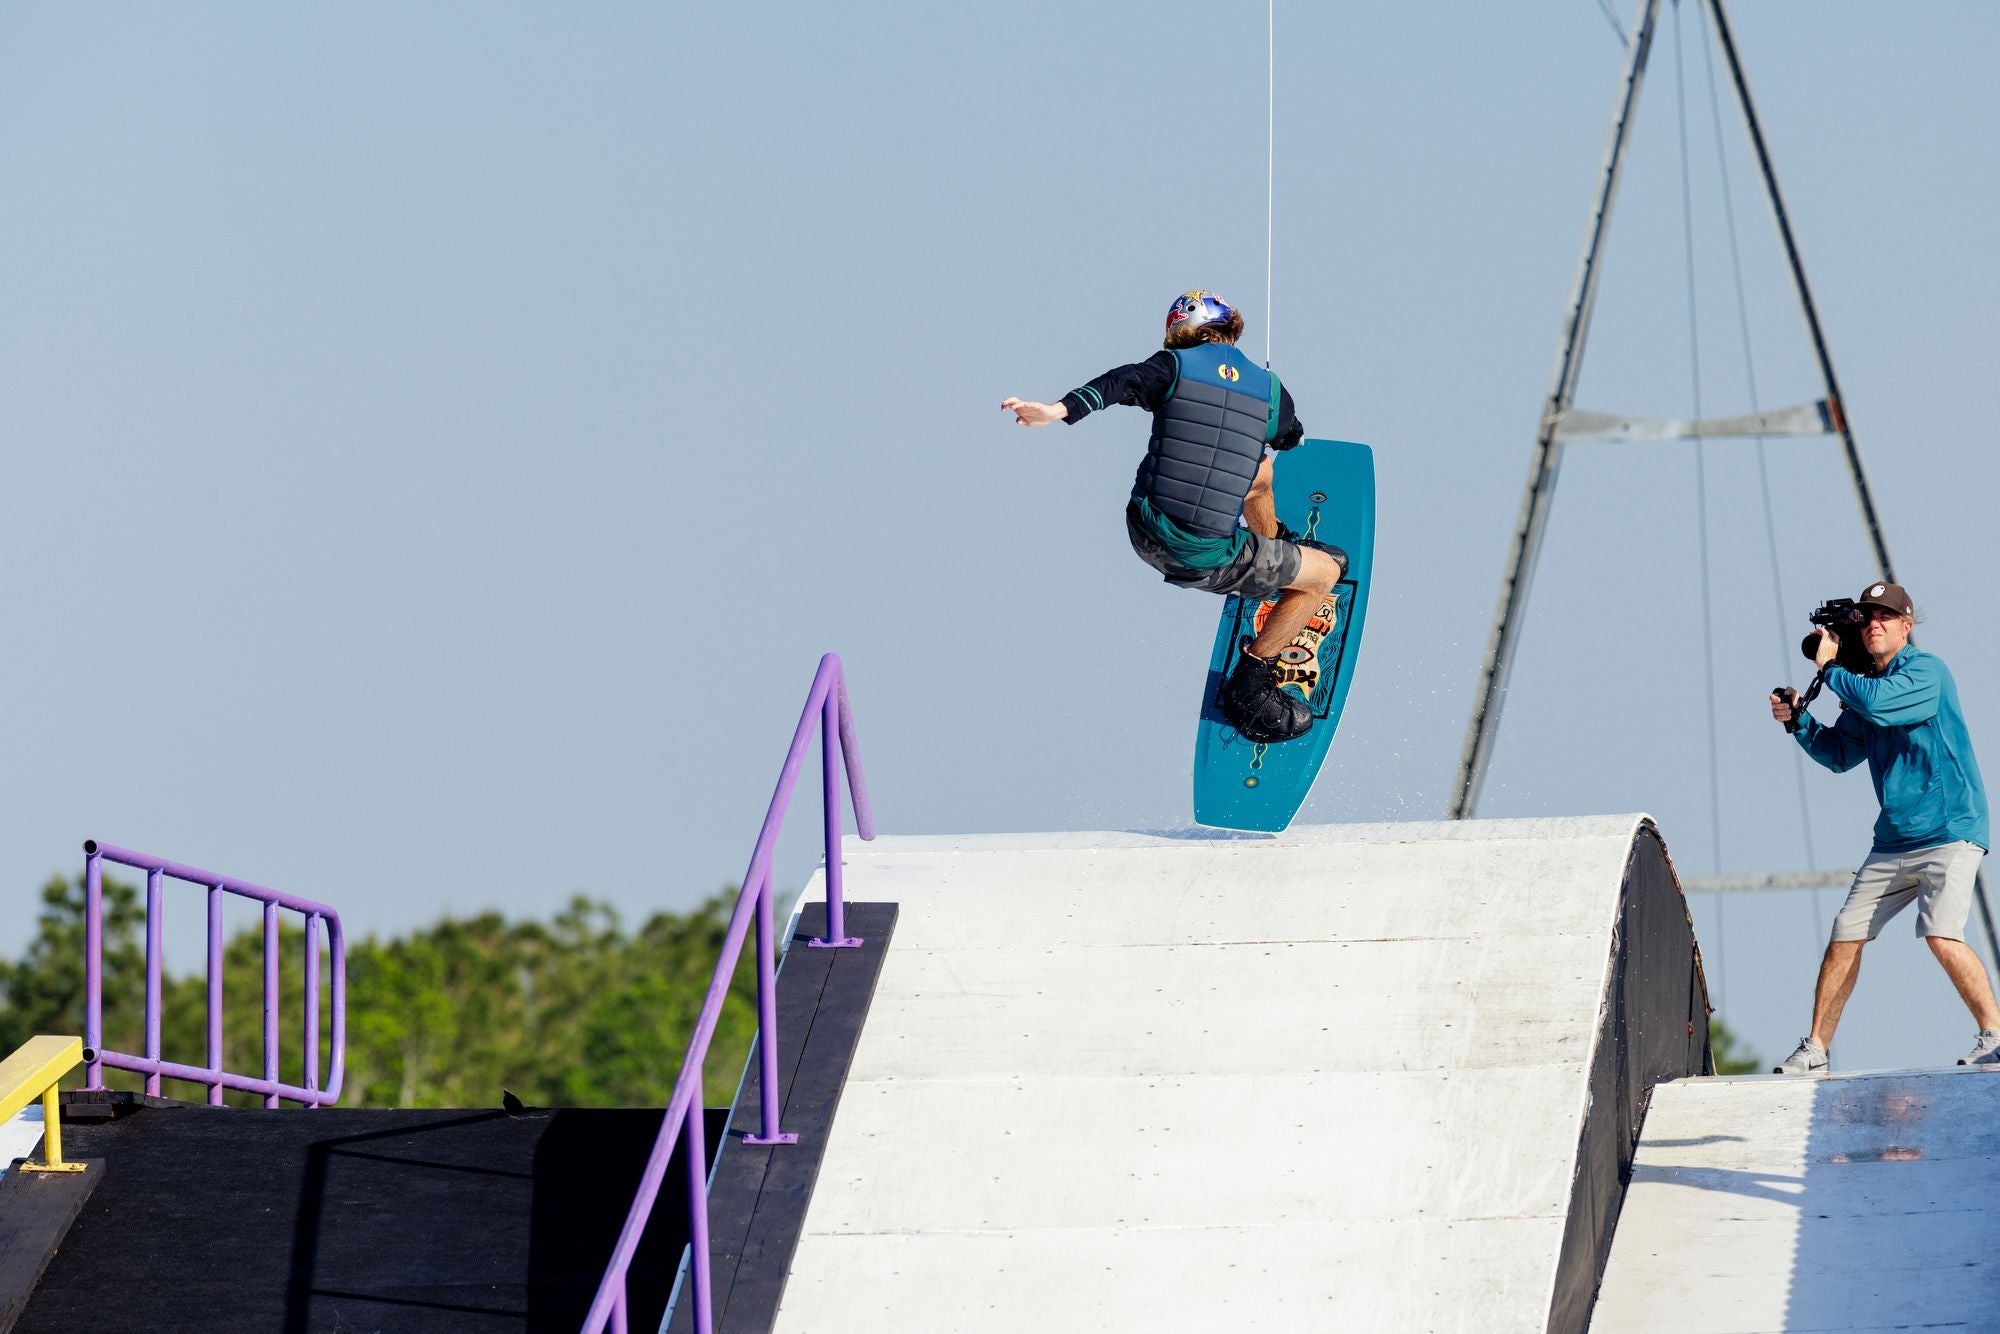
(1215, 331)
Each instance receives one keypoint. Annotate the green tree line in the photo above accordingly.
(575, 1011)
(1731, 1056)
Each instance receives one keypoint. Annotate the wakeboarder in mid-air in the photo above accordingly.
(1201, 511)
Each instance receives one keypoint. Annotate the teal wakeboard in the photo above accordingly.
(1324, 489)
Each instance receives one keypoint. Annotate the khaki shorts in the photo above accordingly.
(1938, 879)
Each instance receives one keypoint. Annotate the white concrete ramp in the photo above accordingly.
(1851, 1202)
(1333, 1079)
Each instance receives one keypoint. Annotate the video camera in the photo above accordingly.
(1845, 619)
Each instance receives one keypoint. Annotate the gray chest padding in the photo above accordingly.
(1207, 444)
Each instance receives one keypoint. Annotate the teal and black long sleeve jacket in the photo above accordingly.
(1906, 723)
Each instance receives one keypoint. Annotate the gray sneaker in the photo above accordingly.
(1809, 1058)
(1985, 1049)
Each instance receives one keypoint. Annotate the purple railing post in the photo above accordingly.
(826, 705)
(336, 1058)
(156, 910)
(271, 999)
(850, 749)
(697, 1150)
(215, 993)
(836, 937)
(93, 966)
(311, 1078)
(771, 1131)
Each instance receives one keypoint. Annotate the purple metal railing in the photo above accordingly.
(826, 704)
(213, 1075)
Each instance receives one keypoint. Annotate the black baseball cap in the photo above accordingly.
(1892, 596)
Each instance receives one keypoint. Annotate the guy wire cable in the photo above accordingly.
(1701, 489)
(1604, 7)
(1763, 466)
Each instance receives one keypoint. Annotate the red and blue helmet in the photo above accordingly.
(1192, 310)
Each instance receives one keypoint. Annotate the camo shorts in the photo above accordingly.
(1258, 571)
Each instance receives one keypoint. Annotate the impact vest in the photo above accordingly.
(1208, 439)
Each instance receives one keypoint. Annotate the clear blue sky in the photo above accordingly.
(440, 440)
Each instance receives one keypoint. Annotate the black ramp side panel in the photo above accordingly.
(1653, 1027)
(758, 1196)
(215, 1218)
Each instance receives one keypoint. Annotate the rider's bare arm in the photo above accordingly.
(1260, 509)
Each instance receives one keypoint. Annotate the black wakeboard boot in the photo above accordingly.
(1330, 550)
(1285, 533)
(1257, 708)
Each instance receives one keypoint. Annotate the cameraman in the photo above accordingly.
(1900, 713)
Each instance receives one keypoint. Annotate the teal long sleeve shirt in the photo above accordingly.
(1905, 721)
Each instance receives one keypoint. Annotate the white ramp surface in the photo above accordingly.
(1850, 1202)
(1332, 1079)
(20, 1136)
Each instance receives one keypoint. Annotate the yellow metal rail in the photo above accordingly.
(33, 1072)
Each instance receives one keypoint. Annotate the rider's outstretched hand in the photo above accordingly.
(1034, 414)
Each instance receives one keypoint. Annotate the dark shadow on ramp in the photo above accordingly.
(214, 1218)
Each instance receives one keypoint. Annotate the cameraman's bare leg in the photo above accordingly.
(1318, 573)
(1968, 974)
(1837, 972)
